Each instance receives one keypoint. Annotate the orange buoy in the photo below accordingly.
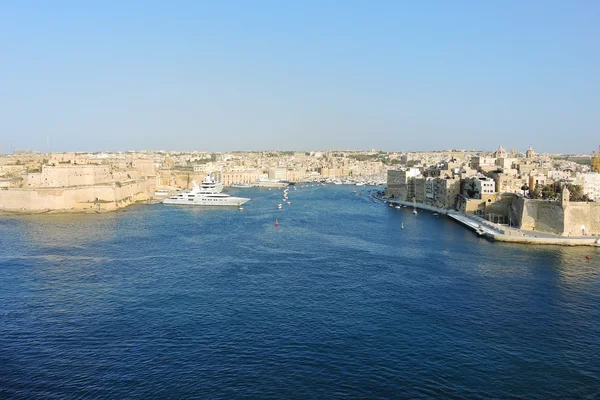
(276, 222)
(588, 257)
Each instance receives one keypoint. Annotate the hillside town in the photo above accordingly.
(534, 192)
(507, 187)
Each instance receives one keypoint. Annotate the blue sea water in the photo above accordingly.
(159, 301)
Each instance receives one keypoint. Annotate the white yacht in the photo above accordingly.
(207, 194)
(208, 184)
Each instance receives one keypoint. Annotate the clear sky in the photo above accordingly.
(255, 75)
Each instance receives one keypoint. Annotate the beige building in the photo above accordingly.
(278, 174)
(479, 187)
(231, 177)
(483, 163)
(397, 182)
(295, 175)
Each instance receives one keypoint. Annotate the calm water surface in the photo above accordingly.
(170, 302)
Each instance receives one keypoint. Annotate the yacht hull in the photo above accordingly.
(229, 201)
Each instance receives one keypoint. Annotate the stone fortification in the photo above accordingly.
(559, 217)
(578, 214)
(79, 198)
(70, 175)
(539, 215)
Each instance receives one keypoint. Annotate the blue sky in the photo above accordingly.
(253, 75)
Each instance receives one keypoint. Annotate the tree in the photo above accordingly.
(576, 192)
(471, 189)
(547, 192)
(536, 192)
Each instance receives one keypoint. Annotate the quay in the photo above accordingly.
(499, 233)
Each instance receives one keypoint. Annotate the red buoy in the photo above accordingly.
(276, 222)
(588, 257)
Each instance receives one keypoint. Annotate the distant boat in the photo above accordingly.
(402, 226)
(414, 207)
(279, 206)
(398, 207)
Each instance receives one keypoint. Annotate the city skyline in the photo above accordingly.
(310, 76)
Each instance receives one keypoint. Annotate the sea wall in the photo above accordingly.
(578, 214)
(539, 215)
(550, 216)
(79, 198)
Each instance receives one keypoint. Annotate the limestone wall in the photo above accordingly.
(577, 214)
(102, 197)
(145, 166)
(501, 205)
(539, 215)
(74, 175)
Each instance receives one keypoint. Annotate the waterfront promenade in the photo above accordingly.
(501, 233)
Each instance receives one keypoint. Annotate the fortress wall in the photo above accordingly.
(32, 200)
(501, 205)
(540, 215)
(137, 189)
(105, 197)
(587, 214)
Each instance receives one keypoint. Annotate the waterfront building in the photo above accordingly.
(397, 182)
(478, 187)
(228, 178)
(277, 174)
(591, 185)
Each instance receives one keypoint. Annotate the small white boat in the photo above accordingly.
(280, 206)
(398, 207)
(289, 202)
